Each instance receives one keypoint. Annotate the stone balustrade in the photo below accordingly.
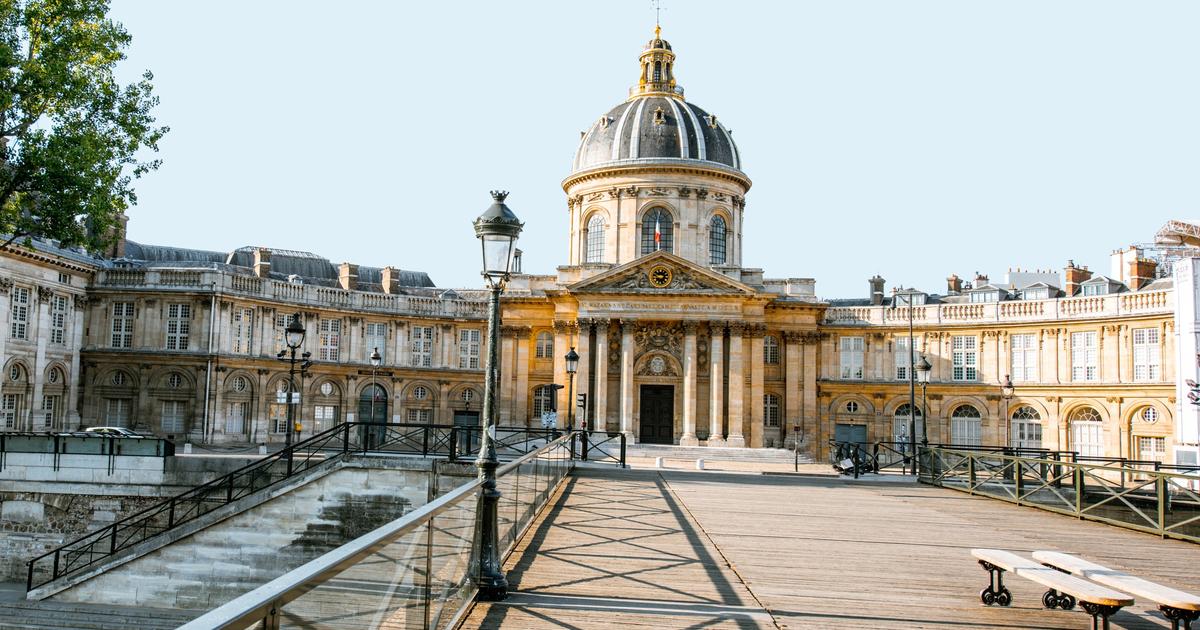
(1015, 311)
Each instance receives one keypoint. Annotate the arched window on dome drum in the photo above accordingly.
(657, 71)
(595, 239)
(657, 221)
(717, 240)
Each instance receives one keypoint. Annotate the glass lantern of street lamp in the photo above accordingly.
(375, 358)
(923, 368)
(1006, 389)
(497, 230)
(572, 361)
(294, 333)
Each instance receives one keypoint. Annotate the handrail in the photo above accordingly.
(259, 603)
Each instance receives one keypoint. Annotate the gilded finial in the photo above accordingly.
(657, 32)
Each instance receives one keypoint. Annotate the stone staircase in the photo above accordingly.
(45, 615)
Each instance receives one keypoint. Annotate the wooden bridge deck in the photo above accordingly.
(649, 549)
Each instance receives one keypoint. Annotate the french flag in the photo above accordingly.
(657, 235)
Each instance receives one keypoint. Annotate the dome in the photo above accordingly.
(656, 127)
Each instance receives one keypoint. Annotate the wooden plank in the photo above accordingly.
(1139, 587)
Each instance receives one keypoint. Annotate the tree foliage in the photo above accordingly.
(71, 135)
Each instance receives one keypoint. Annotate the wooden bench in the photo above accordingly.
(1098, 601)
(1177, 606)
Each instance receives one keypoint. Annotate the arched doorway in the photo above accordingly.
(372, 409)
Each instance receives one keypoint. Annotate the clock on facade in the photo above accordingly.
(660, 276)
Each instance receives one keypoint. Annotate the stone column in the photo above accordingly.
(71, 417)
(716, 384)
(1062, 353)
(791, 380)
(737, 383)
(521, 409)
(583, 344)
(399, 354)
(689, 385)
(627, 381)
(756, 429)
(808, 419)
(562, 339)
(600, 391)
(39, 330)
(1107, 354)
(508, 366)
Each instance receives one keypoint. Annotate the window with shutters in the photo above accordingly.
(325, 417)
(1087, 432)
(116, 411)
(1084, 357)
(331, 339)
(10, 408)
(19, 313)
(900, 423)
(965, 356)
(58, 319)
(851, 357)
(375, 338)
(179, 324)
(1024, 358)
(966, 426)
(52, 407)
(243, 330)
(468, 349)
(122, 324)
(280, 333)
(172, 416)
(422, 346)
(1147, 354)
(235, 419)
(1152, 449)
(1026, 428)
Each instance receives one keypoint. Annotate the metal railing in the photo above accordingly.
(415, 572)
(601, 446)
(1157, 502)
(350, 437)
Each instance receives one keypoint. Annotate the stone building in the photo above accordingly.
(679, 342)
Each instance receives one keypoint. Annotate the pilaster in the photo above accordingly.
(689, 385)
(627, 350)
(716, 385)
(600, 392)
(737, 384)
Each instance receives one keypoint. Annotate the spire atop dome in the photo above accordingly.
(658, 69)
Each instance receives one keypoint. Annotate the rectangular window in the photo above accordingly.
(1152, 449)
(58, 319)
(116, 412)
(1084, 364)
(1024, 358)
(179, 325)
(1147, 355)
(965, 431)
(325, 417)
(902, 358)
(10, 408)
(235, 420)
(468, 349)
(1095, 289)
(52, 407)
(375, 337)
(122, 324)
(171, 419)
(965, 358)
(19, 313)
(419, 416)
(852, 358)
(279, 332)
(277, 417)
(243, 330)
(422, 346)
(331, 339)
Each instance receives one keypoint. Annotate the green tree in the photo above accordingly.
(71, 135)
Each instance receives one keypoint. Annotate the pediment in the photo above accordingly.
(685, 278)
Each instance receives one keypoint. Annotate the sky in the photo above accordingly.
(906, 138)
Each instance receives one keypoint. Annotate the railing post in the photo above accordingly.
(1079, 489)
(1017, 478)
(54, 574)
(622, 450)
(875, 459)
(971, 473)
(1160, 489)
(453, 443)
(29, 578)
(583, 436)
(229, 490)
(425, 440)
(288, 455)
(171, 513)
(112, 539)
(572, 448)
(345, 437)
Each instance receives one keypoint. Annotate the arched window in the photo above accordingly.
(770, 350)
(771, 410)
(1026, 429)
(543, 397)
(717, 240)
(595, 239)
(545, 346)
(965, 426)
(900, 423)
(657, 231)
(1087, 432)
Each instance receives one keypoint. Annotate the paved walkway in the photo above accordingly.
(665, 549)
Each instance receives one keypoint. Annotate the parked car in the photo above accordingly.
(113, 431)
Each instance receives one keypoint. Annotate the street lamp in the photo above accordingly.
(912, 389)
(293, 336)
(923, 368)
(1006, 392)
(497, 230)
(376, 359)
(572, 367)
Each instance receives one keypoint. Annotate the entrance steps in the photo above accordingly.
(44, 615)
(716, 453)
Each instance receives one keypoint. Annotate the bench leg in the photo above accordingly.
(1100, 614)
(1054, 599)
(995, 593)
(1177, 615)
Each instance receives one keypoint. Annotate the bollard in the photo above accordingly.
(262, 449)
(658, 462)
(187, 448)
(700, 463)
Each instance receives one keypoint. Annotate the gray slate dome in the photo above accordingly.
(656, 127)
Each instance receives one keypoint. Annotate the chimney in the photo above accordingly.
(980, 279)
(953, 284)
(1073, 276)
(348, 276)
(1141, 273)
(390, 279)
(116, 236)
(876, 290)
(262, 262)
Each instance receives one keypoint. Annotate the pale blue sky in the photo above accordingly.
(911, 139)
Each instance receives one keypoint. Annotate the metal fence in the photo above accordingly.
(1158, 502)
(415, 572)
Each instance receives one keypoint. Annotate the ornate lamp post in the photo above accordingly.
(922, 368)
(375, 359)
(572, 367)
(497, 230)
(1006, 392)
(293, 336)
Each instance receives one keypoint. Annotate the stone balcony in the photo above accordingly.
(1015, 311)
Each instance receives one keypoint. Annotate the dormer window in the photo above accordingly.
(604, 120)
(1095, 289)
(985, 296)
(660, 116)
(1040, 293)
(711, 120)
